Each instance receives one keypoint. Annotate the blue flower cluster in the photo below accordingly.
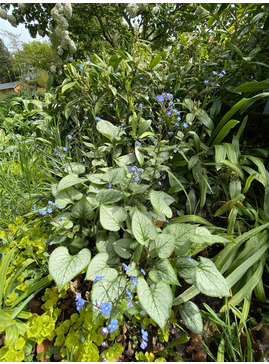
(164, 97)
(79, 302)
(113, 325)
(137, 172)
(98, 278)
(106, 308)
(144, 343)
(45, 211)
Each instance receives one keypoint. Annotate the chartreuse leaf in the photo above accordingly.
(64, 267)
(156, 301)
(98, 267)
(109, 196)
(5, 320)
(163, 272)
(159, 203)
(83, 209)
(107, 129)
(143, 228)
(164, 244)
(111, 217)
(67, 196)
(209, 280)
(68, 181)
(191, 317)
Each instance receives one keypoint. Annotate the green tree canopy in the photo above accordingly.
(6, 71)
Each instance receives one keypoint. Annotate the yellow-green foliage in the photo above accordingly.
(42, 77)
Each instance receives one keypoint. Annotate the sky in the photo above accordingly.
(21, 32)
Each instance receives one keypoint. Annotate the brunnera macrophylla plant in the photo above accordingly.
(106, 219)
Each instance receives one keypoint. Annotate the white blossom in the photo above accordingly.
(62, 22)
(3, 14)
(72, 46)
(143, 6)
(67, 10)
(54, 13)
(59, 7)
(53, 69)
(155, 10)
(132, 9)
(60, 51)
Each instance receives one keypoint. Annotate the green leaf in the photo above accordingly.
(191, 317)
(156, 301)
(143, 228)
(163, 272)
(164, 244)
(76, 168)
(64, 267)
(98, 267)
(83, 209)
(209, 281)
(67, 196)
(68, 181)
(107, 129)
(252, 86)
(68, 86)
(186, 268)
(156, 60)
(109, 196)
(159, 203)
(182, 234)
(5, 320)
(122, 248)
(114, 176)
(111, 217)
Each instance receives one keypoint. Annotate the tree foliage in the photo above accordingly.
(6, 71)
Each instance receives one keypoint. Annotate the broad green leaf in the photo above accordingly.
(114, 176)
(252, 86)
(139, 155)
(96, 178)
(143, 228)
(63, 267)
(186, 268)
(83, 209)
(182, 234)
(67, 196)
(12, 334)
(68, 181)
(159, 203)
(206, 120)
(5, 320)
(164, 244)
(209, 280)
(111, 217)
(4, 267)
(156, 301)
(76, 168)
(191, 317)
(68, 86)
(163, 272)
(220, 155)
(98, 267)
(109, 196)
(107, 129)
(156, 60)
(224, 131)
(122, 248)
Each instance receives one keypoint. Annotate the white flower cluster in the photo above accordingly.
(61, 13)
(143, 6)
(155, 10)
(132, 9)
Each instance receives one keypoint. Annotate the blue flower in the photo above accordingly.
(64, 149)
(137, 143)
(218, 85)
(104, 330)
(71, 59)
(175, 150)
(142, 271)
(140, 105)
(145, 335)
(61, 219)
(106, 308)
(167, 221)
(206, 81)
(177, 100)
(113, 325)
(153, 139)
(88, 58)
(129, 294)
(69, 136)
(79, 302)
(168, 113)
(49, 210)
(111, 105)
(126, 268)
(220, 75)
(159, 98)
(178, 118)
(97, 118)
(188, 256)
(214, 73)
(56, 170)
(160, 183)
(98, 278)
(34, 207)
(134, 282)
(61, 155)
(104, 345)
(176, 124)
(185, 125)
(122, 124)
(80, 66)
(169, 96)
(224, 72)
(109, 186)
(143, 345)
(42, 212)
(130, 304)
(137, 179)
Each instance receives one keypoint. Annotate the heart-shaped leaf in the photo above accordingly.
(98, 267)
(143, 228)
(157, 302)
(159, 203)
(163, 272)
(111, 217)
(164, 244)
(109, 196)
(67, 196)
(209, 280)
(83, 209)
(68, 181)
(191, 316)
(63, 267)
